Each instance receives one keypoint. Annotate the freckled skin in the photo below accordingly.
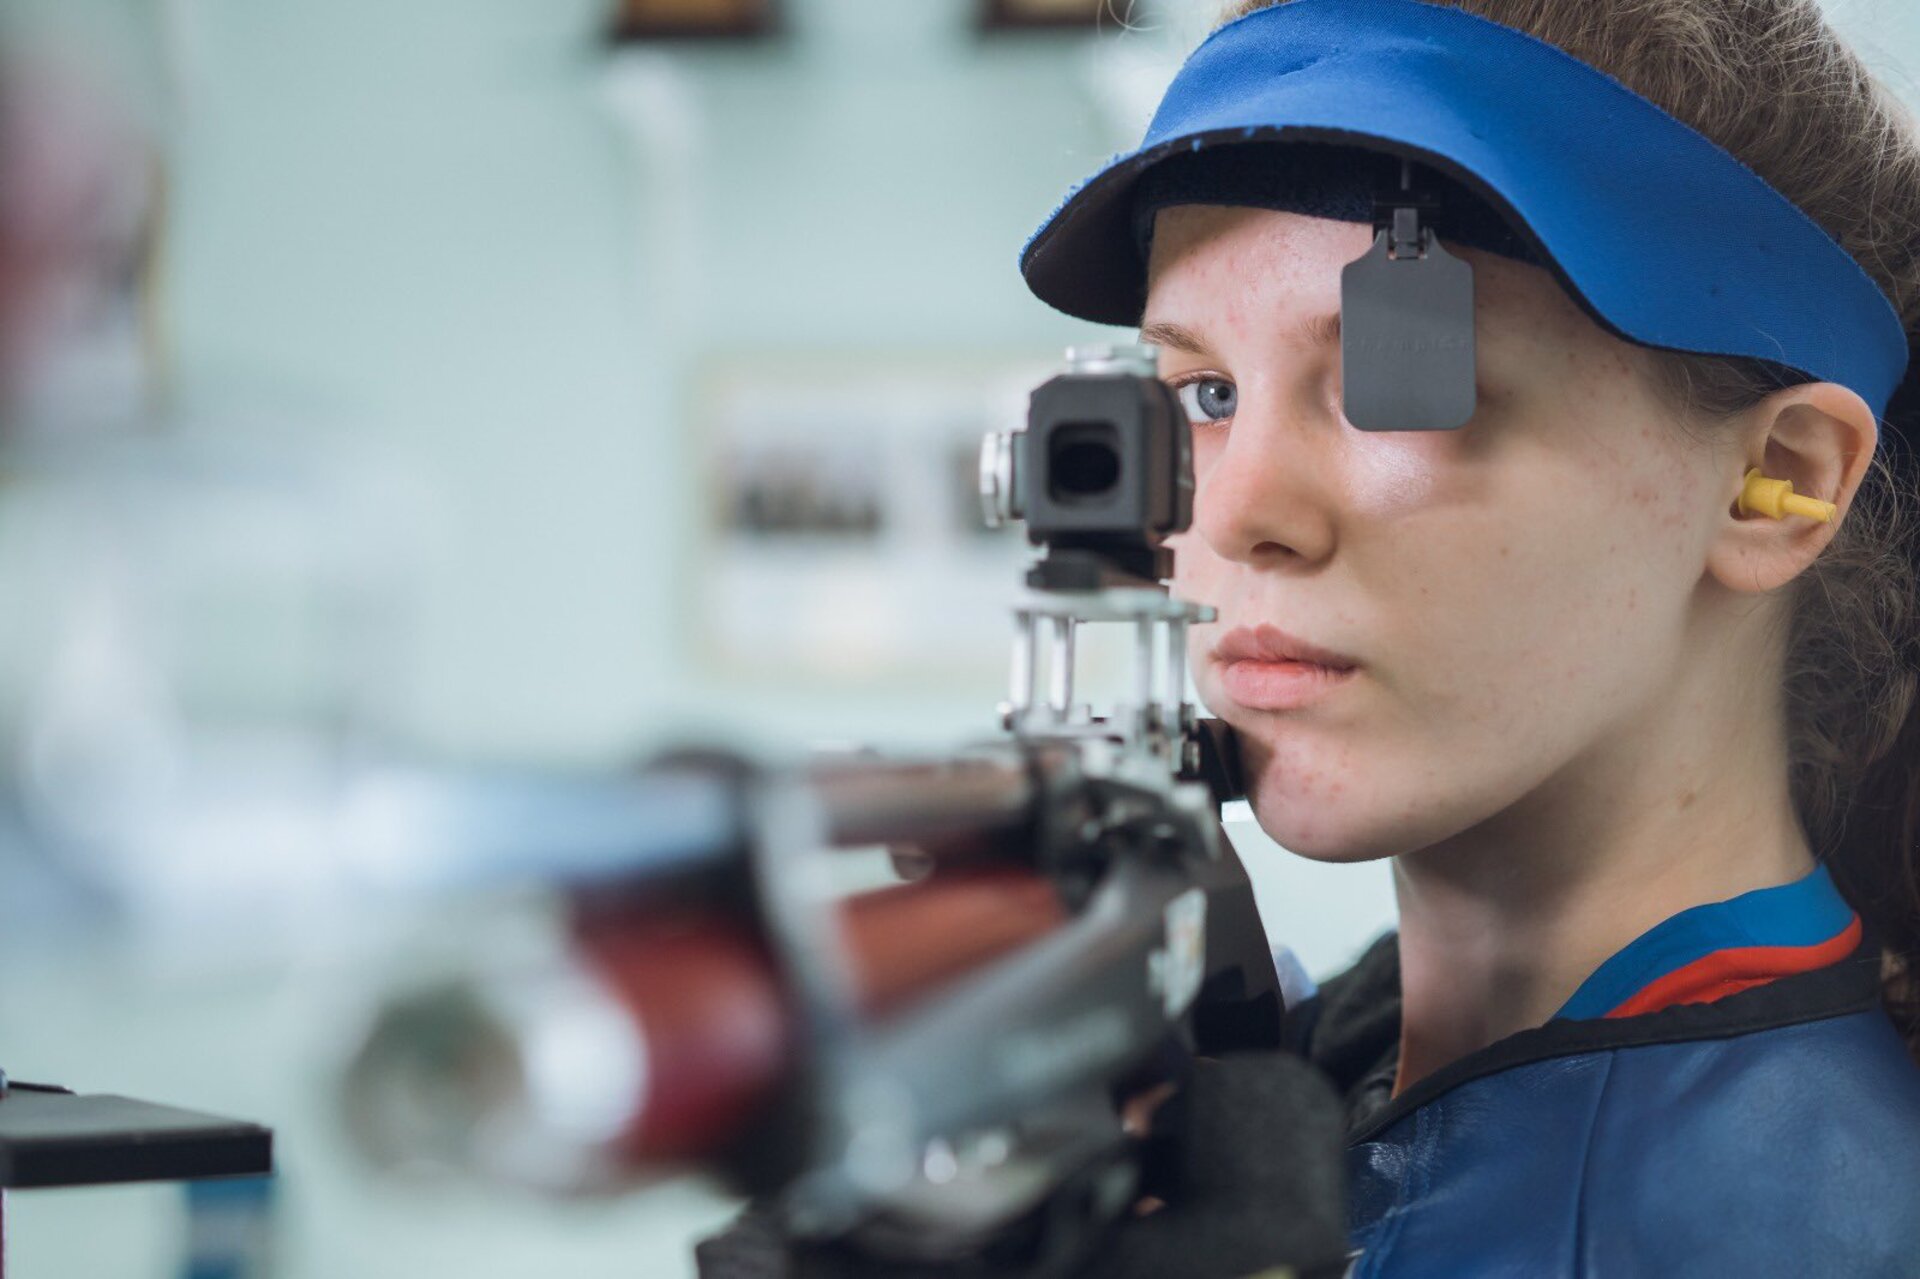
(1514, 590)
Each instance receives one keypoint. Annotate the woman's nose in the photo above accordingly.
(1266, 497)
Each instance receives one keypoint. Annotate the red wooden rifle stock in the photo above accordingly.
(708, 1006)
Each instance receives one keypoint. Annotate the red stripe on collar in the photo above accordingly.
(1727, 972)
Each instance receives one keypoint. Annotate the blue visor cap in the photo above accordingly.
(1661, 235)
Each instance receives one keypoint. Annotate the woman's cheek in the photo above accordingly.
(1394, 474)
(1387, 783)
(1447, 723)
(1353, 798)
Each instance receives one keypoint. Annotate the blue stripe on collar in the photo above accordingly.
(1807, 912)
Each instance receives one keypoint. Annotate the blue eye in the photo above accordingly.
(1208, 399)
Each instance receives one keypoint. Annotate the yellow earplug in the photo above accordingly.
(1776, 498)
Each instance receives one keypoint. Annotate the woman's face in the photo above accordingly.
(1513, 593)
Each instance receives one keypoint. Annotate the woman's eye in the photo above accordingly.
(1208, 399)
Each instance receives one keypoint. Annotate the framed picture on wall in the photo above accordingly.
(644, 20)
(1051, 15)
(843, 539)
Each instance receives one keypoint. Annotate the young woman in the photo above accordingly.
(1645, 749)
(1647, 762)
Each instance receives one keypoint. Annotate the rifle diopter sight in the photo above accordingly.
(1102, 475)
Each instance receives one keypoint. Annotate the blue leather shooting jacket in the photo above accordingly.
(1726, 1096)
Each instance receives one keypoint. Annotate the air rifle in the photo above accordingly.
(930, 1069)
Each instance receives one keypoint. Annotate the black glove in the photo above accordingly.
(1247, 1157)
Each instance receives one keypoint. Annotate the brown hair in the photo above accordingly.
(1774, 85)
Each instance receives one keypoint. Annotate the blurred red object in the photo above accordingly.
(716, 1024)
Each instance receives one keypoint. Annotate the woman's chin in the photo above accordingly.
(1324, 830)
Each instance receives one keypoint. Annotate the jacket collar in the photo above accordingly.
(1351, 1030)
(1719, 949)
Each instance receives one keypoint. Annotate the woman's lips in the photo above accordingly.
(1267, 669)
(1280, 686)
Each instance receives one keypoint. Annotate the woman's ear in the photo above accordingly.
(1819, 435)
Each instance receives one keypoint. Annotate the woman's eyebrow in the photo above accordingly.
(1173, 337)
(1322, 330)
(1318, 330)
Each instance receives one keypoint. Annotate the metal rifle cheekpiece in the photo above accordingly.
(1406, 323)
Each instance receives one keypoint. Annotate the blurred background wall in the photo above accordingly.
(500, 281)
